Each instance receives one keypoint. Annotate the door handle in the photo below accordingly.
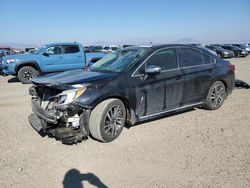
(60, 57)
(79, 56)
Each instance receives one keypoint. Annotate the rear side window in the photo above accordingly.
(166, 59)
(207, 59)
(70, 49)
(189, 57)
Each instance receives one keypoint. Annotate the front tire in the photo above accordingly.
(25, 74)
(216, 96)
(107, 120)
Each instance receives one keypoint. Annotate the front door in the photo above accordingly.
(52, 60)
(160, 92)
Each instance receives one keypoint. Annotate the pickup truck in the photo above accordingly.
(56, 57)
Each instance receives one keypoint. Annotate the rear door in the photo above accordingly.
(162, 92)
(198, 69)
(73, 57)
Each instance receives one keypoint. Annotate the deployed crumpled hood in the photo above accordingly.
(73, 77)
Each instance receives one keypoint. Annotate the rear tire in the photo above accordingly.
(25, 74)
(107, 120)
(216, 96)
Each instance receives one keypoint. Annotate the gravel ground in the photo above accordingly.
(198, 148)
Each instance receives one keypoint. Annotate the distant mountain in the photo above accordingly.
(187, 41)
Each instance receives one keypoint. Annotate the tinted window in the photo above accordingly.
(189, 57)
(207, 59)
(52, 50)
(69, 49)
(166, 59)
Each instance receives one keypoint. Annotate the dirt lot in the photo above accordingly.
(198, 148)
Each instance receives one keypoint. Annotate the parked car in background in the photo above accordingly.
(127, 45)
(32, 51)
(110, 49)
(11, 50)
(205, 48)
(221, 52)
(49, 58)
(243, 46)
(95, 48)
(130, 85)
(28, 49)
(4, 53)
(237, 51)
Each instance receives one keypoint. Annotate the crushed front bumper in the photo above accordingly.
(46, 123)
(43, 114)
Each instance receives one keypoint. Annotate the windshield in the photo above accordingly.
(40, 50)
(119, 61)
(219, 48)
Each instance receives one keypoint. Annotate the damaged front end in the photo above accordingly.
(57, 115)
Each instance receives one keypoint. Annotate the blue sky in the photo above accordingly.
(127, 21)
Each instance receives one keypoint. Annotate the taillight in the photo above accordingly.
(231, 67)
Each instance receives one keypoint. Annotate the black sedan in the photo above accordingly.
(128, 86)
(221, 51)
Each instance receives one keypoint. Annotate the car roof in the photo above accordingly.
(62, 43)
(157, 47)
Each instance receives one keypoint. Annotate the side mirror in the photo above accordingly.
(152, 69)
(46, 54)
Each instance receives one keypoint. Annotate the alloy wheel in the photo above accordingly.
(114, 119)
(217, 95)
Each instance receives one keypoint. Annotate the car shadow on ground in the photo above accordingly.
(73, 179)
(13, 80)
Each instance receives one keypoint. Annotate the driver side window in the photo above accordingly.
(53, 50)
(166, 59)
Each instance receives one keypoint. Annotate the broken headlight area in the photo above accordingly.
(56, 114)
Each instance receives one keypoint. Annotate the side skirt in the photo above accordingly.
(159, 114)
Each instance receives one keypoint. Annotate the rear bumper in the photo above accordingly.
(230, 82)
(228, 55)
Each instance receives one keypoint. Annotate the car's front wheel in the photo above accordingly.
(216, 96)
(25, 74)
(107, 120)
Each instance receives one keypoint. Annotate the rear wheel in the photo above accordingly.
(107, 120)
(216, 96)
(25, 74)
